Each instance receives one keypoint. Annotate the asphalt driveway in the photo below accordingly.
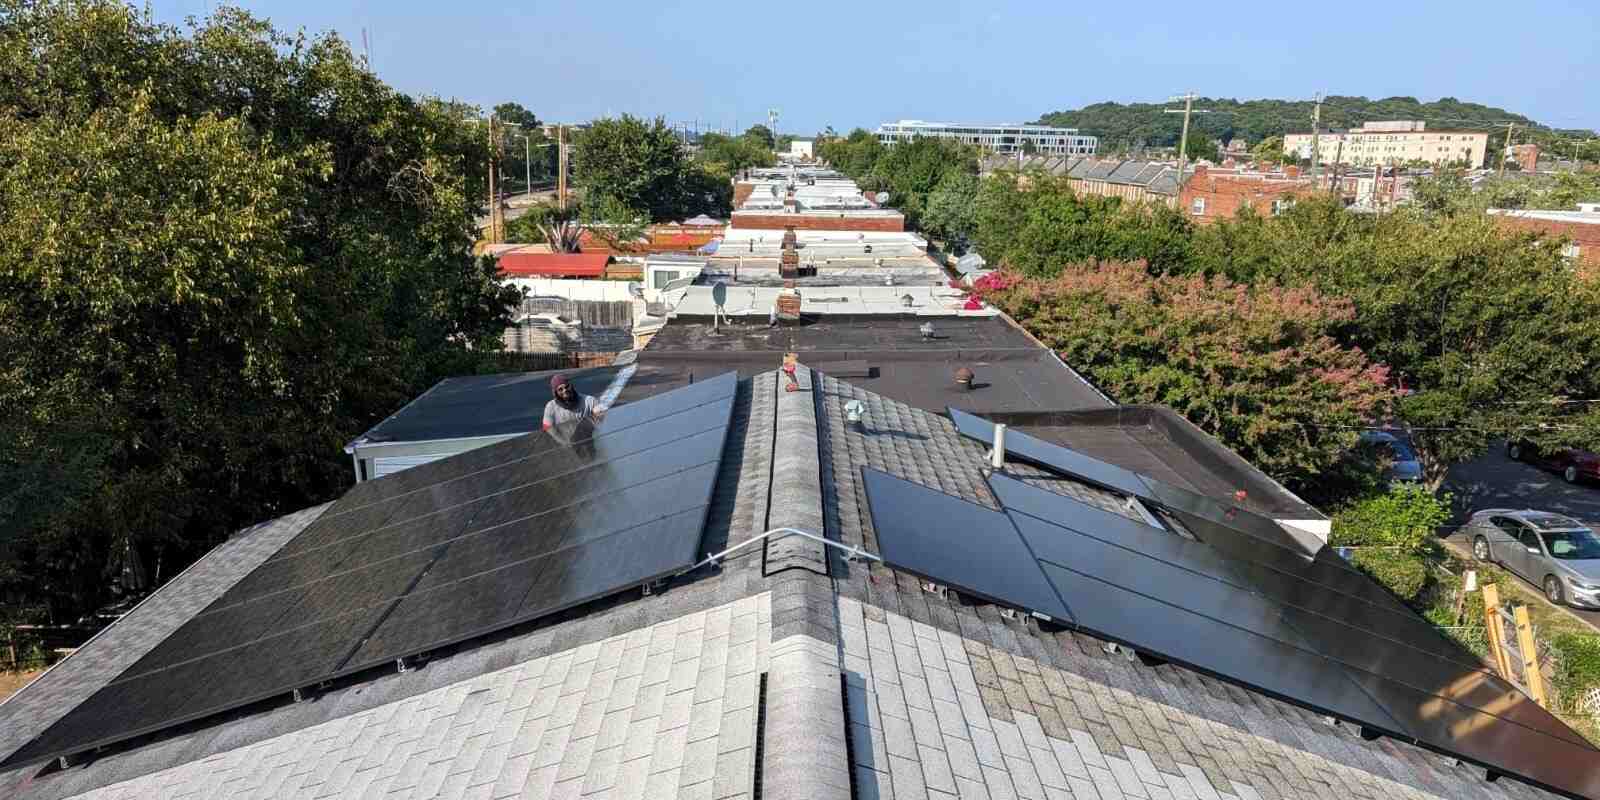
(1495, 481)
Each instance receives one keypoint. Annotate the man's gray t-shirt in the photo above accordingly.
(557, 414)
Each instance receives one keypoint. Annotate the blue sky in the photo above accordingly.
(860, 63)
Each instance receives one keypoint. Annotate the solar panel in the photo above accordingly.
(1290, 628)
(934, 535)
(1111, 477)
(432, 556)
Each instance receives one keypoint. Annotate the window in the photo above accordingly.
(1529, 539)
(661, 277)
(1198, 207)
(1575, 544)
(1282, 205)
(1572, 251)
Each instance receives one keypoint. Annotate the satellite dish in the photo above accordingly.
(719, 294)
(883, 197)
(636, 290)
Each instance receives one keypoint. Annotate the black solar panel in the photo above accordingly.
(1302, 631)
(432, 556)
(1047, 455)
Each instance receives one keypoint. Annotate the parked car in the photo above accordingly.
(1403, 462)
(1574, 465)
(1556, 552)
(549, 321)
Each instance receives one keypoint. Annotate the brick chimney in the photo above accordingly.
(1291, 171)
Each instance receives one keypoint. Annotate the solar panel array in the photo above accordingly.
(1113, 478)
(433, 556)
(1314, 632)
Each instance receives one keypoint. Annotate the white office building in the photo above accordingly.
(995, 138)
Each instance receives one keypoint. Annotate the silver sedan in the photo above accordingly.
(1557, 553)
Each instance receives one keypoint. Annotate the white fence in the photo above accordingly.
(572, 289)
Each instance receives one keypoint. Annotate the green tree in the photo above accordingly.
(952, 210)
(1259, 367)
(911, 170)
(563, 228)
(526, 152)
(1200, 146)
(1482, 327)
(641, 165)
(222, 254)
(761, 135)
(1131, 124)
(515, 114)
(854, 155)
(1035, 223)
(731, 156)
(1268, 150)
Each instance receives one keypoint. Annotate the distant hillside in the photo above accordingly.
(1129, 125)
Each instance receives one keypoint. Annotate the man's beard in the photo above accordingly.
(570, 401)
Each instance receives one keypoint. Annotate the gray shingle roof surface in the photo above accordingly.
(872, 683)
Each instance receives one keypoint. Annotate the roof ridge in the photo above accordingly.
(795, 500)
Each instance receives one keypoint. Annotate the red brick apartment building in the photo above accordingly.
(1581, 229)
(1209, 195)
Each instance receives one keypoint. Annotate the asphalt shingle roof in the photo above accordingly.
(763, 676)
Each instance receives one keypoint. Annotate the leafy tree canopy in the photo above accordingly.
(1133, 124)
(1481, 327)
(1260, 367)
(641, 165)
(515, 114)
(224, 252)
(762, 135)
(1034, 223)
(731, 156)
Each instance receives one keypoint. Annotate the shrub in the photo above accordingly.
(1577, 666)
(1405, 575)
(1405, 518)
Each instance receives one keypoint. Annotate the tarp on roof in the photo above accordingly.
(523, 263)
(971, 262)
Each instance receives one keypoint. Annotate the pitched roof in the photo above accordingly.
(482, 405)
(837, 679)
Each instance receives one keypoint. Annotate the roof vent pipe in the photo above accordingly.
(997, 456)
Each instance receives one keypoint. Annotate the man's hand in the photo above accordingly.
(599, 412)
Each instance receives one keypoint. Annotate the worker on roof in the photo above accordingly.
(568, 406)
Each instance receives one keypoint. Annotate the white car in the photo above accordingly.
(548, 321)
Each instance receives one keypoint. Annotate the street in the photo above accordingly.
(1495, 481)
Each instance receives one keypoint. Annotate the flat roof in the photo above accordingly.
(836, 301)
(883, 354)
(1580, 217)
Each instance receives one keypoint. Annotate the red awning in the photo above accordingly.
(521, 264)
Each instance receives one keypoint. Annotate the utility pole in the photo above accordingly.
(495, 229)
(1188, 99)
(561, 167)
(1338, 158)
(1316, 131)
(1505, 152)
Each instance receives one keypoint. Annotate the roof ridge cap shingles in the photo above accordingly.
(796, 492)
